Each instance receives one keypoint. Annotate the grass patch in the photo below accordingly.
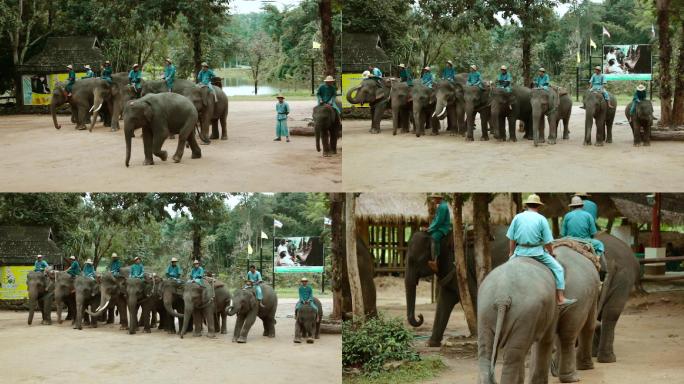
(411, 372)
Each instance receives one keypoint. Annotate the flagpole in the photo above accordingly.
(273, 257)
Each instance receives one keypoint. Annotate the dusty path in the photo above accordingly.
(447, 163)
(649, 339)
(59, 354)
(36, 157)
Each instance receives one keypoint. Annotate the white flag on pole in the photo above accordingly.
(264, 235)
(277, 223)
(605, 32)
(327, 221)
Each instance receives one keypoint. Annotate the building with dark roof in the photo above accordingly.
(19, 245)
(362, 49)
(62, 51)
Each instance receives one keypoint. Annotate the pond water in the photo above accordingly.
(236, 85)
(248, 90)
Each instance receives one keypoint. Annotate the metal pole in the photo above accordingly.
(655, 223)
(577, 85)
(273, 258)
(312, 77)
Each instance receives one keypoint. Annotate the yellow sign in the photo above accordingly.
(38, 88)
(13, 282)
(350, 80)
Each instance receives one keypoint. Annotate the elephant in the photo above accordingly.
(597, 111)
(450, 103)
(64, 295)
(510, 106)
(424, 103)
(401, 102)
(113, 294)
(417, 258)
(371, 93)
(172, 298)
(160, 115)
(246, 307)
(308, 322)
(120, 93)
(641, 122)
(563, 114)
(81, 100)
(476, 100)
(87, 295)
(159, 86)
(209, 111)
(327, 128)
(556, 105)
(142, 293)
(41, 294)
(208, 303)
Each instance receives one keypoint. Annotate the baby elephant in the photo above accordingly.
(160, 115)
(308, 323)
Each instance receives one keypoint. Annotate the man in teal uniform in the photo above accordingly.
(639, 96)
(439, 228)
(474, 77)
(375, 71)
(449, 73)
(75, 268)
(137, 269)
(504, 80)
(597, 82)
(40, 265)
(71, 79)
(204, 77)
(542, 80)
(173, 271)
(115, 266)
(89, 72)
(327, 94)
(580, 223)
(254, 277)
(135, 80)
(197, 273)
(107, 72)
(305, 295)
(589, 205)
(427, 78)
(530, 236)
(88, 269)
(169, 74)
(282, 110)
(405, 75)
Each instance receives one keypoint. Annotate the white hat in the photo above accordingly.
(533, 199)
(72, 257)
(173, 259)
(168, 59)
(597, 68)
(504, 67)
(70, 66)
(280, 96)
(137, 258)
(576, 201)
(39, 256)
(641, 87)
(329, 78)
(204, 64)
(450, 62)
(195, 261)
(88, 261)
(114, 255)
(542, 69)
(474, 67)
(427, 68)
(402, 66)
(86, 66)
(365, 74)
(107, 62)
(304, 279)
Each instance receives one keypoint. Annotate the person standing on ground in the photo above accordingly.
(282, 111)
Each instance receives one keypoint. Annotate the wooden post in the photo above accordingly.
(352, 260)
(461, 266)
(337, 248)
(655, 223)
(483, 260)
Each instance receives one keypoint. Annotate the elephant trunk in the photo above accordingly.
(168, 305)
(104, 303)
(232, 310)
(32, 306)
(132, 314)
(419, 119)
(59, 307)
(410, 283)
(353, 99)
(186, 319)
(97, 104)
(53, 112)
(79, 311)
(440, 108)
(129, 137)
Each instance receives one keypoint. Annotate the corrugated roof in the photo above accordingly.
(362, 49)
(20, 245)
(61, 51)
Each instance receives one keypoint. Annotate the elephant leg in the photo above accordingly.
(210, 316)
(447, 300)
(377, 116)
(224, 327)
(148, 146)
(214, 129)
(588, 123)
(110, 314)
(609, 130)
(325, 138)
(318, 330)
(541, 358)
(123, 314)
(247, 325)
(513, 365)
(566, 127)
(396, 119)
(333, 139)
(194, 146)
(484, 121)
(197, 323)
(636, 131)
(157, 143)
(567, 370)
(239, 322)
(82, 116)
(183, 136)
(224, 127)
(609, 319)
(647, 131)
(553, 128)
(298, 333)
(600, 131)
(584, 343)
(511, 131)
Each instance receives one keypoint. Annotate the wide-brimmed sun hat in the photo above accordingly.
(204, 64)
(576, 201)
(597, 68)
(114, 255)
(329, 78)
(542, 69)
(402, 66)
(137, 258)
(280, 96)
(450, 62)
(173, 259)
(195, 261)
(473, 67)
(72, 257)
(107, 62)
(641, 87)
(304, 279)
(39, 256)
(533, 199)
(427, 68)
(168, 59)
(503, 67)
(86, 66)
(70, 66)
(88, 261)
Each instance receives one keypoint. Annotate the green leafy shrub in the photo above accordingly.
(370, 344)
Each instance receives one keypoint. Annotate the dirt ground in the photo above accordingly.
(36, 157)
(649, 338)
(404, 162)
(60, 354)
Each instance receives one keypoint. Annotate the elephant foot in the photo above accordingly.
(196, 155)
(223, 331)
(271, 336)
(647, 144)
(297, 340)
(609, 141)
(123, 327)
(585, 366)
(552, 141)
(163, 155)
(309, 341)
(566, 136)
(433, 343)
(513, 140)
(606, 358)
(637, 144)
(110, 321)
(234, 340)
(571, 378)
(214, 137)
(131, 332)
(176, 159)
(317, 337)
(468, 138)
(148, 162)
(211, 335)
(147, 330)
(196, 334)
(224, 137)
(484, 138)
(326, 154)
(587, 143)
(242, 340)
(598, 144)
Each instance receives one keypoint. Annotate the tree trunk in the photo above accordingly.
(352, 261)
(337, 247)
(461, 266)
(665, 56)
(526, 53)
(196, 243)
(517, 200)
(327, 37)
(678, 107)
(483, 260)
(197, 50)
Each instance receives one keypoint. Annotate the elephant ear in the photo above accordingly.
(147, 111)
(205, 97)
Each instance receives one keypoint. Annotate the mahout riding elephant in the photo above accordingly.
(41, 292)
(450, 103)
(113, 295)
(172, 298)
(371, 93)
(510, 106)
(326, 129)
(402, 107)
(417, 258)
(210, 111)
(160, 115)
(247, 309)
(142, 294)
(208, 303)
(64, 295)
(597, 111)
(80, 101)
(477, 101)
(424, 103)
(641, 122)
(308, 322)
(87, 296)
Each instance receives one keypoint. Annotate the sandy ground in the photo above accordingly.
(59, 354)
(649, 338)
(406, 163)
(37, 158)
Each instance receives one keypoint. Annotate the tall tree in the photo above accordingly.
(352, 260)
(337, 248)
(467, 301)
(483, 258)
(678, 103)
(327, 37)
(664, 58)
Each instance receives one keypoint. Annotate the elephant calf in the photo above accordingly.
(641, 122)
(308, 322)
(247, 309)
(327, 126)
(160, 115)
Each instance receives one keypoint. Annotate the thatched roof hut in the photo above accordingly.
(19, 245)
(362, 49)
(61, 51)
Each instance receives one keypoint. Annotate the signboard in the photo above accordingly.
(38, 88)
(627, 62)
(13, 282)
(350, 80)
(298, 255)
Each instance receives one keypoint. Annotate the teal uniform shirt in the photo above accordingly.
(255, 278)
(474, 79)
(504, 81)
(197, 273)
(441, 223)
(89, 271)
(74, 269)
(282, 110)
(107, 74)
(578, 223)
(137, 271)
(327, 94)
(427, 79)
(597, 84)
(636, 99)
(173, 272)
(40, 266)
(376, 72)
(591, 207)
(169, 75)
(449, 73)
(89, 74)
(204, 77)
(71, 80)
(305, 294)
(135, 79)
(542, 81)
(530, 230)
(406, 77)
(115, 267)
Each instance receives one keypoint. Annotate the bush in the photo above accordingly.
(371, 344)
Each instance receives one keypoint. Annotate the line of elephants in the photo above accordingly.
(459, 103)
(159, 300)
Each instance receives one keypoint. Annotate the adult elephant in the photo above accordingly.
(41, 294)
(142, 294)
(376, 96)
(80, 101)
(424, 104)
(180, 86)
(118, 94)
(159, 115)
(208, 303)
(476, 100)
(510, 107)
(210, 111)
(64, 295)
(113, 295)
(87, 296)
(598, 112)
(450, 103)
(401, 102)
(326, 128)
(417, 268)
(556, 105)
(308, 322)
(172, 298)
(641, 122)
(247, 309)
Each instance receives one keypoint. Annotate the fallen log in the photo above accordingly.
(302, 131)
(667, 135)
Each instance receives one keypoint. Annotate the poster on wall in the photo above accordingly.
(38, 88)
(627, 62)
(298, 254)
(13, 282)
(351, 80)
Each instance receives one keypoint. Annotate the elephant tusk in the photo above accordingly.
(98, 108)
(91, 109)
(441, 113)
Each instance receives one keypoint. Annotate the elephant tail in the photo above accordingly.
(502, 306)
(317, 130)
(129, 138)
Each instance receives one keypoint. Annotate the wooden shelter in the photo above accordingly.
(362, 49)
(19, 245)
(62, 51)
